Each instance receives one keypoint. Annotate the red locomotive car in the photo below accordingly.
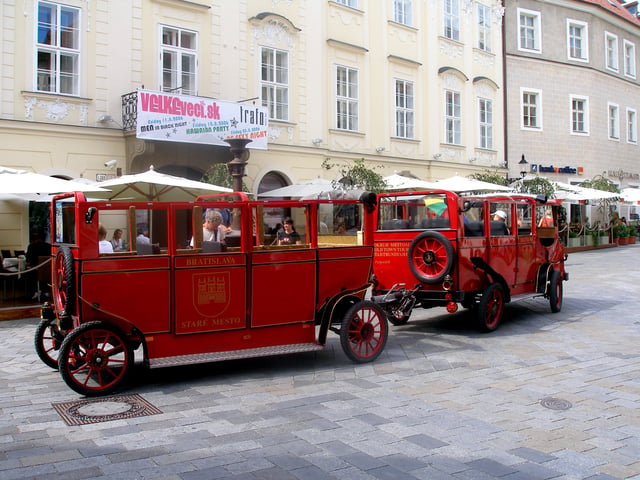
(476, 251)
(183, 298)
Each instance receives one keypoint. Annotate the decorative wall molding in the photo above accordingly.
(451, 50)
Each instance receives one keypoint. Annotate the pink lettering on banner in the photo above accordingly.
(174, 106)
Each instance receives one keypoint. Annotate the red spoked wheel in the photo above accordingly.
(555, 291)
(363, 333)
(431, 257)
(64, 282)
(47, 341)
(95, 358)
(490, 308)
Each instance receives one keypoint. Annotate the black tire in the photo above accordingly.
(490, 308)
(398, 321)
(364, 331)
(47, 341)
(431, 257)
(555, 291)
(64, 282)
(95, 359)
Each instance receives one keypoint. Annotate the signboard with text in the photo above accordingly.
(188, 119)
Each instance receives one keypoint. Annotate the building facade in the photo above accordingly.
(573, 89)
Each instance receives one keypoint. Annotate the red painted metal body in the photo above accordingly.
(455, 251)
(186, 301)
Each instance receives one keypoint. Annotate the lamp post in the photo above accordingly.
(523, 166)
(238, 148)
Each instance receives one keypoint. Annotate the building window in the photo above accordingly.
(452, 118)
(531, 109)
(485, 107)
(402, 11)
(346, 98)
(451, 20)
(614, 121)
(58, 49)
(579, 115)
(629, 59)
(179, 61)
(348, 3)
(632, 126)
(529, 27)
(484, 28)
(274, 83)
(578, 40)
(404, 109)
(611, 51)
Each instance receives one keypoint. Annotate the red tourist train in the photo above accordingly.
(181, 298)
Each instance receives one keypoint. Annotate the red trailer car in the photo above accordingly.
(441, 249)
(186, 300)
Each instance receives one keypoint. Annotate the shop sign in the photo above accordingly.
(552, 169)
(188, 119)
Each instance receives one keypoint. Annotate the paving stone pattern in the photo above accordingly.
(442, 402)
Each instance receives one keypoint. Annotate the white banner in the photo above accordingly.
(187, 119)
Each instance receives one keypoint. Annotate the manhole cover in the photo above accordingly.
(96, 410)
(555, 403)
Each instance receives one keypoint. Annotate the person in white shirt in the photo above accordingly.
(104, 245)
(212, 229)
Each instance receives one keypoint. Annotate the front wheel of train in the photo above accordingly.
(363, 333)
(47, 341)
(95, 358)
(490, 308)
(555, 291)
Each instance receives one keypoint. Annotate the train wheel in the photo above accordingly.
(64, 282)
(555, 291)
(431, 257)
(95, 358)
(364, 330)
(47, 342)
(490, 308)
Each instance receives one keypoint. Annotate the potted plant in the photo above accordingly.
(632, 233)
(604, 237)
(574, 239)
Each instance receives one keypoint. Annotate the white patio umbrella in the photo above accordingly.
(400, 182)
(31, 185)
(570, 192)
(300, 190)
(155, 186)
(463, 184)
(630, 195)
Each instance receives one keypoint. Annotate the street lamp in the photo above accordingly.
(238, 148)
(523, 165)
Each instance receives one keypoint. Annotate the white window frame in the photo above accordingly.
(65, 81)
(274, 88)
(403, 12)
(583, 38)
(538, 106)
(629, 58)
(613, 121)
(451, 19)
(535, 28)
(452, 117)
(178, 53)
(348, 3)
(404, 108)
(483, 22)
(346, 100)
(573, 112)
(611, 52)
(632, 125)
(485, 123)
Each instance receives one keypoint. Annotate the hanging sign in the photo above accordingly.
(188, 119)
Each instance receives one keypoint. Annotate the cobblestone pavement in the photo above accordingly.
(547, 396)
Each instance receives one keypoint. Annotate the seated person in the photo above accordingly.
(547, 219)
(212, 228)
(500, 216)
(37, 248)
(288, 236)
(142, 239)
(116, 241)
(104, 245)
